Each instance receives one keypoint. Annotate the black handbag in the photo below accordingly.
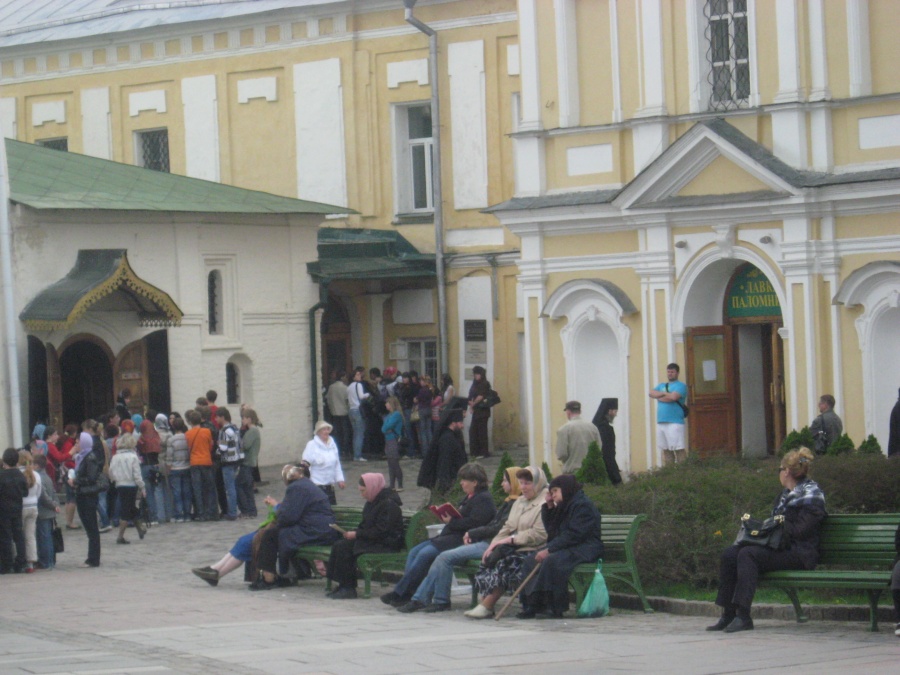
(498, 553)
(489, 401)
(768, 532)
(59, 545)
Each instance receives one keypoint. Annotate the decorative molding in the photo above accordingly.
(141, 101)
(879, 132)
(259, 87)
(399, 72)
(567, 62)
(589, 159)
(858, 50)
(513, 67)
(48, 111)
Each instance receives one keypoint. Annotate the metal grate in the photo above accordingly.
(728, 53)
(232, 384)
(214, 301)
(54, 143)
(153, 149)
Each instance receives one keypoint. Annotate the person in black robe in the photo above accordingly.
(446, 456)
(894, 431)
(606, 413)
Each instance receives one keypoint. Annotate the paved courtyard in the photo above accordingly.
(143, 611)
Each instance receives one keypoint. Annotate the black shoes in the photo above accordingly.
(437, 607)
(721, 624)
(344, 593)
(393, 599)
(526, 614)
(739, 624)
(412, 606)
(208, 574)
(262, 585)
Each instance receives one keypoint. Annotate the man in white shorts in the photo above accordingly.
(671, 396)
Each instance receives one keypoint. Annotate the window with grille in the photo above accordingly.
(54, 143)
(728, 53)
(152, 149)
(232, 383)
(413, 158)
(422, 357)
(214, 302)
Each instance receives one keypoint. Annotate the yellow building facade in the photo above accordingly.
(625, 183)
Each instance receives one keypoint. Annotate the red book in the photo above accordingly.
(445, 510)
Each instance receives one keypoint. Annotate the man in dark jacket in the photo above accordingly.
(827, 427)
(13, 489)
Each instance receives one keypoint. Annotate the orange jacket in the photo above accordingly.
(200, 443)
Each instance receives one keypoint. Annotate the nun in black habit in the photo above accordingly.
(447, 453)
(609, 408)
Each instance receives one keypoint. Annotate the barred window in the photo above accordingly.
(728, 53)
(214, 302)
(232, 383)
(152, 149)
(54, 143)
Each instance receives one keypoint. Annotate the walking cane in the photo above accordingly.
(516, 594)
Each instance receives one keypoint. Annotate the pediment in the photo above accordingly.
(708, 162)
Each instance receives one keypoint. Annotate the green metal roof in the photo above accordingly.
(43, 178)
(355, 253)
(99, 274)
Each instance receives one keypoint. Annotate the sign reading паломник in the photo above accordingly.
(751, 295)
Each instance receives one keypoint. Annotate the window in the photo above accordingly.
(413, 158)
(151, 149)
(728, 53)
(54, 143)
(214, 302)
(422, 357)
(232, 384)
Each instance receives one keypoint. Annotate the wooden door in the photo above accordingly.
(712, 392)
(776, 389)
(130, 371)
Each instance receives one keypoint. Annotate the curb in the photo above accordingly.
(760, 611)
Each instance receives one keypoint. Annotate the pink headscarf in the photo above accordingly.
(374, 485)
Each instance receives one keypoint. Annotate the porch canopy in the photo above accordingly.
(102, 279)
(364, 255)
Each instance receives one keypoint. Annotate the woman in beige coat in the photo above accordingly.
(523, 532)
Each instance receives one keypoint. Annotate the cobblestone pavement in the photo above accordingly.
(143, 611)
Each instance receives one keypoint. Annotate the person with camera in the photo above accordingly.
(801, 508)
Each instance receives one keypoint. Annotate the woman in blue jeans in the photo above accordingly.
(477, 509)
(435, 589)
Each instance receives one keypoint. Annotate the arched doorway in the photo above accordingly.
(734, 361)
(336, 342)
(886, 364)
(86, 377)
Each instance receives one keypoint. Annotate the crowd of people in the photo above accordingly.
(124, 470)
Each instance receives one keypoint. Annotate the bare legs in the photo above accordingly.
(228, 564)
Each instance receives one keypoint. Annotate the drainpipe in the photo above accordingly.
(9, 314)
(313, 350)
(436, 184)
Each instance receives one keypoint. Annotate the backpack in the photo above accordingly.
(233, 451)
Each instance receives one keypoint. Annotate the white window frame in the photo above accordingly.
(139, 150)
(403, 161)
(227, 333)
(419, 364)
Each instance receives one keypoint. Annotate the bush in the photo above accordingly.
(593, 468)
(797, 439)
(546, 469)
(870, 446)
(842, 446)
(497, 486)
(693, 508)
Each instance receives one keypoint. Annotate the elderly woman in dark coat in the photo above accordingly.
(381, 531)
(304, 517)
(573, 537)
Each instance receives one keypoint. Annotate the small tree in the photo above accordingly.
(797, 439)
(870, 446)
(842, 446)
(593, 468)
(497, 487)
(546, 470)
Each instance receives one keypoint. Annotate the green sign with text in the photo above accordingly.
(752, 295)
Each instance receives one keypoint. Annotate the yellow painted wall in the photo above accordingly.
(845, 127)
(884, 47)
(595, 81)
(853, 401)
(557, 160)
(721, 177)
(590, 244)
(874, 225)
(767, 54)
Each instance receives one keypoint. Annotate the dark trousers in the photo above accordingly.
(478, 437)
(329, 490)
(11, 534)
(203, 486)
(87, 512)
(343, 434)
(739, 570)
(268, 550)
(243, 483)
(342, 563)
(221, 494)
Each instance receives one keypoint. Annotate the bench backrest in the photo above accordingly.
(858, 539)
(618, 534)
(349, 518)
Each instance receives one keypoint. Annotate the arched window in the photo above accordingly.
(232, 383)
(214, 300)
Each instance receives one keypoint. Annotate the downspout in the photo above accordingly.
(436, 185)
(313, 350)
(9, 314)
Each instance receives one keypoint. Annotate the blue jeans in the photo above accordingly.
(203, 486)
(425, 430)
(436, 586)
(359, 431)
(102, 509)
(409, 433)
(44, 534)
(417, 564)
(159, 495)
(180, 481)
(229, 473)
(148, 487)
(244, 485)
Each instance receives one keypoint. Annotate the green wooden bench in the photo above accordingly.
(619, 564)
(370, 564)
(856, 551)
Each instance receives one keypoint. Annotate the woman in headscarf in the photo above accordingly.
(478, 431)
(433, 593)
(88, 484)
(522, 532)
(380, 531)
(606, 413)
(573, 537)
(38, 445)
(125, 471)
(166, 505)
(321, 453)
(148, 448)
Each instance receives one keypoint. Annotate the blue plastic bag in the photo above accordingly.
(596, 600)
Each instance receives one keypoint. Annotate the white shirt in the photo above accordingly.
(324, 462)
(31, 501)
(356, 392)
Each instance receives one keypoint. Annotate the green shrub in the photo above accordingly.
(546, 470)
(693, 508)
(593, 468)
(842, 446)
(797, 439)
(870, 446)
(499, 495)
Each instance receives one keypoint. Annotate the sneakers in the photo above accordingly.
(208, 574)
(479, 611)
(29, 569)
(154, 523)
(103, 529)
(361, 459)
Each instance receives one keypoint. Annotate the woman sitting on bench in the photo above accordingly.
(381, 531)
(802, 506)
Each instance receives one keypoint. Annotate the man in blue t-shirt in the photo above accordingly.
(671, 397)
